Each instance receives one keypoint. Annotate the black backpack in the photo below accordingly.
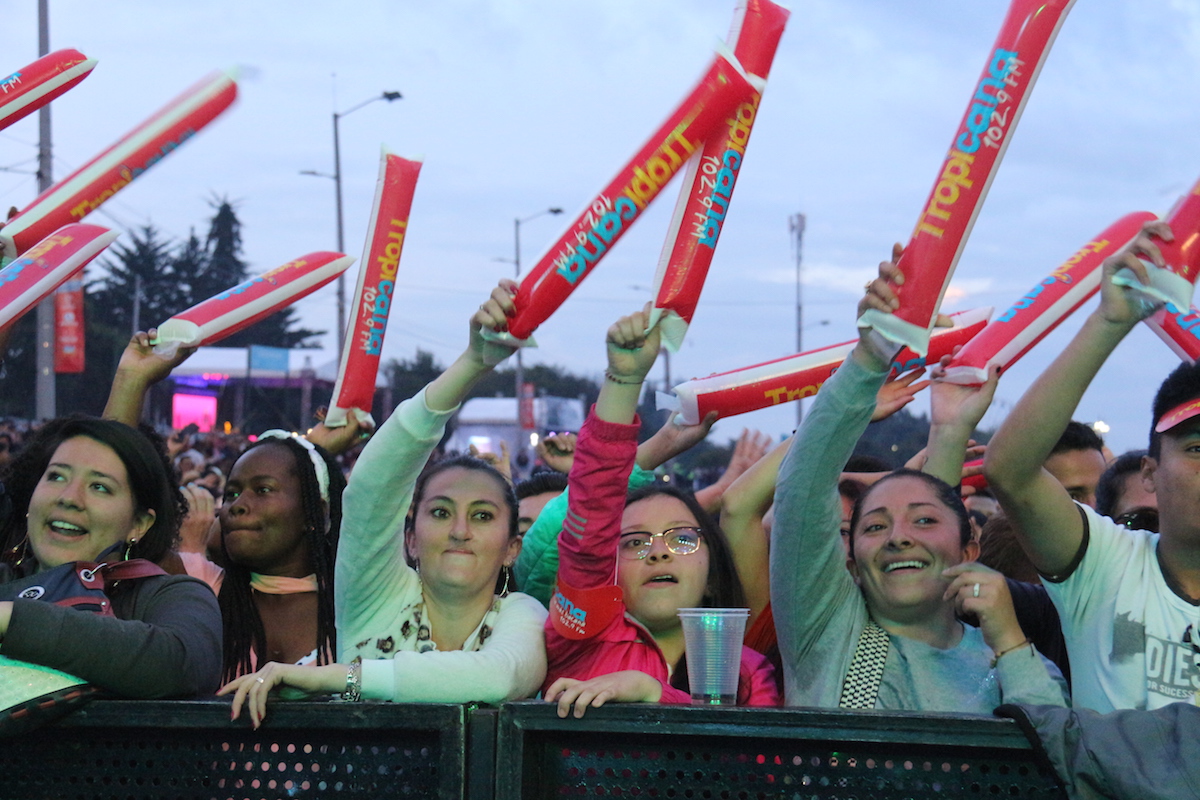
(31, 695)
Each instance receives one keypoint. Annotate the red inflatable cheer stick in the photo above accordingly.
(355, 387)
(975, 154)
(621, 203)
(1179, 329)
(1041, 309)
(248, 302)
(47, 265)
(32, 87)
(800, 376)
(709, 180)
(75, 196)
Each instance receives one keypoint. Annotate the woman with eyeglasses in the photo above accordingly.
(620, 639)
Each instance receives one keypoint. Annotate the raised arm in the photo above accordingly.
(1044, 517)
(750, 447)
(743, 506)
(604, 456)
(370, 569)
(810, 585)
(140, 368)
(955, 413)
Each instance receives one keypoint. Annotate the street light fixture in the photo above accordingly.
(522, 442)
(337, 181)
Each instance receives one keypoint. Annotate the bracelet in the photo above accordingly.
(353, 692)
(996, 658)
(608, 376)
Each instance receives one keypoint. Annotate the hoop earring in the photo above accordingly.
(507, 570)
(129, 548)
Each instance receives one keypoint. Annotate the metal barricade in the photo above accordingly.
(149, 749)
(661, 751)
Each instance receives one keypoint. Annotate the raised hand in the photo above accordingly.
(557, 451)
(340, 439)
(897, 392)
(501, 462)
(1120, 305)
(880, 295)
(493, 315)
(632, 350)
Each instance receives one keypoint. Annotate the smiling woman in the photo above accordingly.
(881, 628)
(98, 492)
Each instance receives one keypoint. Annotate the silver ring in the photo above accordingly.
(260, 680)
(975, 591)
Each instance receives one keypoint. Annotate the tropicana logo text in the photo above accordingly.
(708, 228)
(644, 185)
(377, 300)
(986, 124)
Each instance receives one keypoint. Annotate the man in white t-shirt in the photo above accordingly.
(1129, 600)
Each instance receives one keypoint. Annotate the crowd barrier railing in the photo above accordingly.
(127, 749)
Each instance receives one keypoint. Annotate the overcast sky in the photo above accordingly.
(518, 106)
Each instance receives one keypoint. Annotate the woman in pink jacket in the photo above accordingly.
(626, 567)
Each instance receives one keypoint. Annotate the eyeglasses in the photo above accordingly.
(1140, 519)
(682, 541)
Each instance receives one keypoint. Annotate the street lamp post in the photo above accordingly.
(520, 368)
(337, 182)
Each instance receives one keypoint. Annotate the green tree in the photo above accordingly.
(139, 277)
(409, 377)
(546, 379)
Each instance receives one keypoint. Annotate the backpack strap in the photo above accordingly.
(860, 688)
(129, 570)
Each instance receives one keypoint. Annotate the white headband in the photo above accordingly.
(319, 465)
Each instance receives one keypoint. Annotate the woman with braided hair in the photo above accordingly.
(280, 518)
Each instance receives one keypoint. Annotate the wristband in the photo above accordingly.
(353, 691)
(996, 658)
(608, 376)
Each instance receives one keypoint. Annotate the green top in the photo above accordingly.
(536, 569)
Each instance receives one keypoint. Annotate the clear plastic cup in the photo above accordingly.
(713, 638)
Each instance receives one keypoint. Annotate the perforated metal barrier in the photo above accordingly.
(754, 754)
(116, 749)
(158, 750)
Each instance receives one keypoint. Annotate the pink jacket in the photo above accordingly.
(589, 632)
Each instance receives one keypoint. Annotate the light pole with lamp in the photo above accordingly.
(337, 182)
(522, 442)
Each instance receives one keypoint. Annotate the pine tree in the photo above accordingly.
(116, 296)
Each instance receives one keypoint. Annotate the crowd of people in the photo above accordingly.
(238, 566)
